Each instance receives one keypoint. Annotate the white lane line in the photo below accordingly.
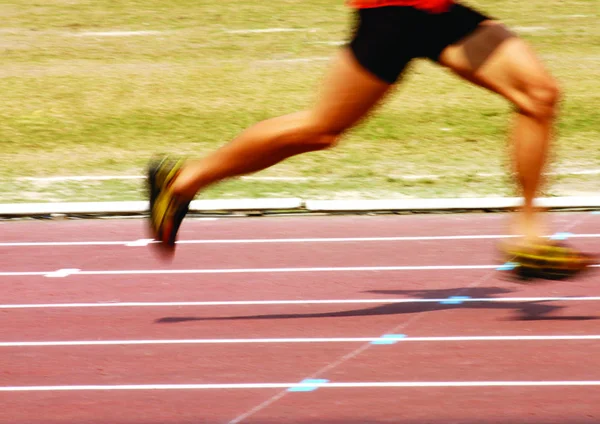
(270, 270)
(570, 16)
(66, 243)
(296, 340)
(81, 178)
(330, 43)
(253, 178)
(294, 302)
(261, 270)
(140, 243)
(529, 28)
(582, 172)
(297, 60)
(65, 178)
(125, 33)
(144, 242)
(269, 30)
(61, 273)
(112, 33)
(345, 385)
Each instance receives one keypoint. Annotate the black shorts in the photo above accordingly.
(388, 38)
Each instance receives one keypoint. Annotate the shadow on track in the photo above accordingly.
(524, 311)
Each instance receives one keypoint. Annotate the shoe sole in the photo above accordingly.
(166, 245)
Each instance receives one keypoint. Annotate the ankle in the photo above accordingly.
(528, 227)
(182, 184)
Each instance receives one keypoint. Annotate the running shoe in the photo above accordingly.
(550, 260)
(167, 210)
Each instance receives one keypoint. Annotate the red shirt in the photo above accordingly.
(436, 6)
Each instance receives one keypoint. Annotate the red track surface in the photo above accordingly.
(404, 361)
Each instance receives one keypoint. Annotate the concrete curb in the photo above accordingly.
(456, 204)
(141, 207)
(298, 205)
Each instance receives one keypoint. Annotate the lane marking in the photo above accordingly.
(264, 270)
(385, 339)
(112, 33)
(388, 339)
(296, 60)
(308, 385)
(125, 33)
(294, 302)
(570, 16)
(331, 43)
(80, 178)
(281, 240)
(508, 266)
(529, 28)
(345, 385)
(455, 300)
(140, 243)
(260, 270)
(62, 273)
(66, 243)
(269, 30)
(575, 172)
(186, 341)
(256, 178)
(561, 236)
(62, 178)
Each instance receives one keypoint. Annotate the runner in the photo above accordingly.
(388, 35)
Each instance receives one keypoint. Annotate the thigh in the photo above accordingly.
(386, 39)
(347, 94)
(495, 58)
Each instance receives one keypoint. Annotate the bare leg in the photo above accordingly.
(348, 93)
(494, 58)
(531, 142)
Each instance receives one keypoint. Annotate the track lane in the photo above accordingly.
(358, 405)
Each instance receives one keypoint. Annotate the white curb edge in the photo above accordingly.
(141, 207)
(297, 204)
(448, 204)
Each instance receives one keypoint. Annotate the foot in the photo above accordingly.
(546, 259)
(167, 209)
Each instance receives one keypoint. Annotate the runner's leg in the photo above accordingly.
(494, 58)
(349, 92)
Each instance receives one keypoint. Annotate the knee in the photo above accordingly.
(544, 96)
(305, 132)
(326, 140)
(321, 135)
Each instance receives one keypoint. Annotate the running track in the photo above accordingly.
(351, 319)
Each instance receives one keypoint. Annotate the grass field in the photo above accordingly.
(78, 98)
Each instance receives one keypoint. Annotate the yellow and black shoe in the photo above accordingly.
(167, 210)
(547, 259)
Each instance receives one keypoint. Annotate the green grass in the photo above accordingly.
(82, 105)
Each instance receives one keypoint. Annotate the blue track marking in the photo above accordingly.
(308, 387)
(561, 236)
(508, 266)
(595, 212)
(455, 300)
(388, 339)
